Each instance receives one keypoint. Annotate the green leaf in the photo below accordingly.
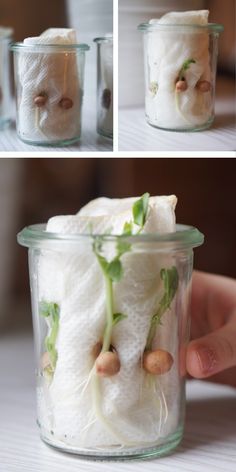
(128, 228)
(103, 263)
(122, 247)
(44, 309)
(51, 310)
(185, 67)
(115, 270)
(117, 317)
(140, 208)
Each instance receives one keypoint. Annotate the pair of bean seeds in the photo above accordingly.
(203, 86)
(41, 100)
(154, 362)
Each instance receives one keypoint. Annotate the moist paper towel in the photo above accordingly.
(55, 74)
(73, 279)
(167, 51)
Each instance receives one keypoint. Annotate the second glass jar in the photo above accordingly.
(105, 85)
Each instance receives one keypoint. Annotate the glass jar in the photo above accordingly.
(5, 84)
(105, 85)
(49, 87)
(110, 344)
(180, 74)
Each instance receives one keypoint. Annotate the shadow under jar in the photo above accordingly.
(111, 353)
(105, 85)
(5, 83)
(180, 74)
(49, 89)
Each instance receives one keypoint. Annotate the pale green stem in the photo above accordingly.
(50, 342)
(109, 315)
(151, 335)
(177, 104)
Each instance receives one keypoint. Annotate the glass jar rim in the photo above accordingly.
(185, 237)
(104, 39)
(60, 47)
(211, 27)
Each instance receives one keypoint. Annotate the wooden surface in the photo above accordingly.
(208, 445)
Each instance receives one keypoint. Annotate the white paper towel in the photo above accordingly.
(131, 412)
(55, 74)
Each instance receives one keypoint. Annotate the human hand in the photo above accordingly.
(211, 352)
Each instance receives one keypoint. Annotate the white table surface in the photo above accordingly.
(136, 135)
(209, 443)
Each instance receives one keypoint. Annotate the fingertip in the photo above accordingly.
(201, 360)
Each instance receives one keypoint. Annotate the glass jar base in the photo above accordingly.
(104, 133)
(118, 454)
(5, 123)
(58, 143)
(194, 129)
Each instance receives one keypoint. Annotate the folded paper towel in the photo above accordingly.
(124, 410)
(168, 51)
(53, 75)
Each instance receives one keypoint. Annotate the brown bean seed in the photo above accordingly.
(66, 103)
(40, 100)
(157, 362)
(107, 364)
(204, 86)
(181, 86)
(106, 98)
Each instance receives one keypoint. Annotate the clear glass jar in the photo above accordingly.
(180, 74)
(110, 350)
(105, 85)
(5, 83)
(49, 87)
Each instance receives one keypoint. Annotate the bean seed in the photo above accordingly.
(107, 364)
(157, 362)
(181, 86)
(204, 86)
(40, 100)
(66, 103)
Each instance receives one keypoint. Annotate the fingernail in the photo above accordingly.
(207, 359)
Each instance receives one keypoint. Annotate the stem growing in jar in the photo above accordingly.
(181, 78)
(170, 278)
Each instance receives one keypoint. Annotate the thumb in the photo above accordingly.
(212, 353)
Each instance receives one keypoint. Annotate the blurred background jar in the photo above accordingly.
(105, 85)
(5, 80)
